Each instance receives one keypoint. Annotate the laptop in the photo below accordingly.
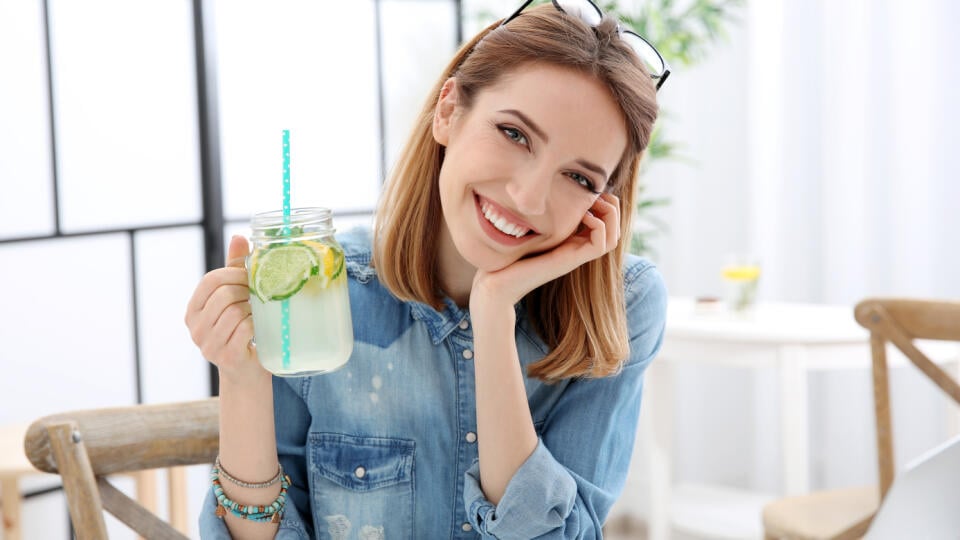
(923, 502)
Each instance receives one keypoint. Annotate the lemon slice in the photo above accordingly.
(332, 262)
(280, 271)
(741, 273)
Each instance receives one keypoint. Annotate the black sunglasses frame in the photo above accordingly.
(659, 78)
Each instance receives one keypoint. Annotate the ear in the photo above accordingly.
(443, 113)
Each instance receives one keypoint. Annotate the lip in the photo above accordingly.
(495, 233)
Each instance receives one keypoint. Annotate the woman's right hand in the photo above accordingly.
(220, 320)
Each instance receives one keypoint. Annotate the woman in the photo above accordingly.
(501, 331)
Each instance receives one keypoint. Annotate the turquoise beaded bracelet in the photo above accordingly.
(263, 514)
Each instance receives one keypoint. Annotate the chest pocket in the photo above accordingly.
(362, 487)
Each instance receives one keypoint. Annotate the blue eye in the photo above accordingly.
(514, 134)
(585, 182)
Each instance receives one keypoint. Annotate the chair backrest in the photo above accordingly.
(900, 322)
(85, 446)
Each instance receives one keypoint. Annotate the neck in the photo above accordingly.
(456, 274)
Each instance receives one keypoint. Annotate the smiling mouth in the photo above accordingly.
(500, 222)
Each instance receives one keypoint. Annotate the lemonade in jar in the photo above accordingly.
(298, 292)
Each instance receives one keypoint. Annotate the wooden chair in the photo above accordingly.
(86, 446)
(846, 514)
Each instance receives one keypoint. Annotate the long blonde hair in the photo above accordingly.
(580, 316)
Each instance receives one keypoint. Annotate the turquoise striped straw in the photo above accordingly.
(285, 304)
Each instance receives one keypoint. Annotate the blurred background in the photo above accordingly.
(135, 137)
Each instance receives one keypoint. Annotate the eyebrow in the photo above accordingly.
(540, 133)
(595, 168)
(526, 120)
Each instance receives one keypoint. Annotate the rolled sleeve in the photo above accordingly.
(565, 489)
(541, 478)
(214, 528)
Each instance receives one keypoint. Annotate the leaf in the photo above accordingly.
(681, 36)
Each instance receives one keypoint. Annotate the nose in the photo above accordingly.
(530, 192)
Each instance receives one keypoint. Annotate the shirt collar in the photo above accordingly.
(439, 323)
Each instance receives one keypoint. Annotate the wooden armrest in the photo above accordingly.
(137, 437)
(921, 319)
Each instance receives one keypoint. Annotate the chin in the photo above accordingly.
(489, 263)
(481, 257)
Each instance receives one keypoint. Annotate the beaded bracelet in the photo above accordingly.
(272, 512)
(241, 483)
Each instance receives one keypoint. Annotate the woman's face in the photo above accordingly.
(524, 164)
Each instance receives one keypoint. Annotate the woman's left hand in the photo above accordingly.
(599, 234)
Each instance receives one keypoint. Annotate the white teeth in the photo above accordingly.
(501, 223)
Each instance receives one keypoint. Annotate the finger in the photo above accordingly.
(204, 326)
(227, 323)
(240, 340)
(608, 209)
(210, 282)
(598, 230)
(237, 251)
(223, 297)
(236, 259)
(606, 205)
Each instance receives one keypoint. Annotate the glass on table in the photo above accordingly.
(741, 275)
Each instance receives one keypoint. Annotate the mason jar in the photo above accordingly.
(298, 292)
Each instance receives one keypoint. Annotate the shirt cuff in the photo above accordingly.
(214, 528)
(539, 498)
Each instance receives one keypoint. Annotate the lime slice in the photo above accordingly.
(282, 270)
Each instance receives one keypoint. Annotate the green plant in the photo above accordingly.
(682, 32)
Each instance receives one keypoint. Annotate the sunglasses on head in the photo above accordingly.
(591, 14)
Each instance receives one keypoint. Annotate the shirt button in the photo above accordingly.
(467, 527)
(360, 472)
(471, 437)
(468, 354)
(463, 326)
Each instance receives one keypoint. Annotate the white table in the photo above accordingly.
(794, 339)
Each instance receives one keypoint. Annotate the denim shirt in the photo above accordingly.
(386, 447)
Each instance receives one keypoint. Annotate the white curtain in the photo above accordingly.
(821, 137)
